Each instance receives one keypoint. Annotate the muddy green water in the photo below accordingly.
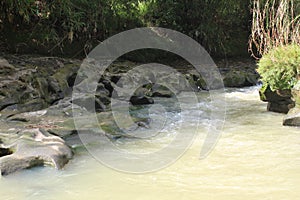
(256, 158)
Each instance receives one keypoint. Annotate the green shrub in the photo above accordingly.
(279, 68)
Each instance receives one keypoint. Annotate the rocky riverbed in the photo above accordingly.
(36, 124)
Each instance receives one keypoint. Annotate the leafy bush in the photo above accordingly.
(280, 67)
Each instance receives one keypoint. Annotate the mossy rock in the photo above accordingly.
(237, 78)
(234, 79)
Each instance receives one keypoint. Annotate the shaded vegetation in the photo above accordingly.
(74, 27)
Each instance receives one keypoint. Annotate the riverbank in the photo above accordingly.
(36, 104)
(30, 83)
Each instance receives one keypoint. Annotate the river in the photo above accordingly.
(255, 158)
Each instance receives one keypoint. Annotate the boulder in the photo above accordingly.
(238, 72)
(296, 93)
(293, 116)
(278, 101)
(240, 78)
(33, 147)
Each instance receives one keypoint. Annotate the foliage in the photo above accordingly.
(61, 22)
(215, 23)
(221, 26)
(280, 67)
(274, 23)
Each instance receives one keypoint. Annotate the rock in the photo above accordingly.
(6, 68)
(195, 80)
(65, 76)
(143, 91)
(85, 101)
(5, 152)
(33, 83)
(25, 81)
(137, 100)
(19, 119)
(33, 105)
(292, 118)
(278, 101)
(237, 72)
(161, 91)
(34, 147)
(234, 79)
(296, 93)
(7, 102)
(240, 78)
(278, 107)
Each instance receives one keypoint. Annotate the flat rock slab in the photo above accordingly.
(33, 147)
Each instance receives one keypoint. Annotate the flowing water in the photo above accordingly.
(256, 158)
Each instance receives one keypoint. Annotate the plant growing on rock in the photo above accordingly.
(280, 67)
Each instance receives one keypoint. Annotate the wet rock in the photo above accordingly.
(90, 103)
(176, 82)
(240, 78)
(195, 80)
(103, 94)
(65, 128)
(278, 101)
(280, 107)
(137, 100)
(34, 147)
(292, 118)
(161, 91)
(143, 91)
